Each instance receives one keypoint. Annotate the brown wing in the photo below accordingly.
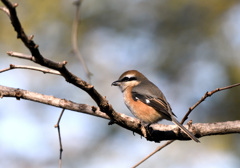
(159, 104)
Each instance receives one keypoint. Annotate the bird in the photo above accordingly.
(146, 101)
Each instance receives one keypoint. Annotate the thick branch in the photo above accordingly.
(50, 100)
(158, 132)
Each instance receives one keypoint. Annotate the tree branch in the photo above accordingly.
(207, 94)
(158, 132)
(60, 138)
(75, 49)
(21, 55)
(151, 154)
(5, 10)
(69, 77)
(30, 68)
(50, 100)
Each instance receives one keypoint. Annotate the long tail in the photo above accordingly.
(175, 121)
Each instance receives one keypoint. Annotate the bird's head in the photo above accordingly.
(129, 78)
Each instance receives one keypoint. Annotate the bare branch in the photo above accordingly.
(151, 154)
(21, 55)
(59, 137)
(50, 100)
(157, 132)
(75, 49)
(207, 129)
(207, 94)
(5, 10)
(30, 68)
(69, 77)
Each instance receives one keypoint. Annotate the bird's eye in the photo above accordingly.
(125, 79)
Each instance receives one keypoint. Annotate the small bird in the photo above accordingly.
(145, 100)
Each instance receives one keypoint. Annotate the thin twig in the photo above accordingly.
(207, 94)
(4, 9)
(75, 49)
(60, 139)
(30, 68)
(21, 55)
(151, 154)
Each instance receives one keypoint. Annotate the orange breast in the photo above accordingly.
(142, 111)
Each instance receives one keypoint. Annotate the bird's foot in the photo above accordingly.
(146, 130)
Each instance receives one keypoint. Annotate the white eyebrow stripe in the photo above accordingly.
(130, 75)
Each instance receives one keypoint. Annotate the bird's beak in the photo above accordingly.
(116, 83)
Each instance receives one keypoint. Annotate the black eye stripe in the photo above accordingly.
(125, 79)
(133, 78)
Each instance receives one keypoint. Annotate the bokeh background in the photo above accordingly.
(185, 47)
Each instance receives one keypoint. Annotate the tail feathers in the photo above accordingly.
(174, 120)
